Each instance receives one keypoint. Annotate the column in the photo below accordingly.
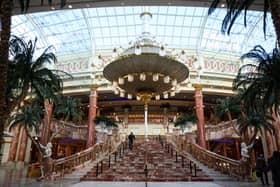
(200, 115)
(125, 118)
(91, 115)
(146, 120)
(47, 122)
(165, 117)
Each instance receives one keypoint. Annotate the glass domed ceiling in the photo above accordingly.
(92, 31)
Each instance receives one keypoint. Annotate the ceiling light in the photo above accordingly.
(130, 78)
(157, 97)
(174, 82)
(121, 80)
(165, 95)
(129, 96)
(155, 77)
(116, 91)
(70, 6)
(115, 83)
(166, 79)
(172, 94)
(122, 93)
(142, 76)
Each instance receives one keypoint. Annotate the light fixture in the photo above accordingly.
(172, 94)
(166, 79)
(114, 54)
(138, 50)
(155, 77)
(174, 82)
(115, 84)
(129, 96)
(138, 98)
(177, 88)
(122, 93)
(142, 77)
(162, 51)
(165, 95)
(116, 91)
(130, 78)
(121, 80)
(157, 97)
(70, 6)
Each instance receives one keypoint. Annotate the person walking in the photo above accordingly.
(131, 139)
(261, 169)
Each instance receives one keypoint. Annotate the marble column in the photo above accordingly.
(47, 122)
(125, 118)
(165, 117)
(200, 115)
(91, 115)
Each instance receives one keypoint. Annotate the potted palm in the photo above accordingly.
(185, 121)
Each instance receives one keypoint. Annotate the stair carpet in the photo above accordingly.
(161, 166)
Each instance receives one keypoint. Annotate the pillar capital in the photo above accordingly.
(197, 86)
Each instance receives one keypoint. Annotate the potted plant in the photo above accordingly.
(185, 120)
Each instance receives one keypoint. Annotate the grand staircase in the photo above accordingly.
(162, 165)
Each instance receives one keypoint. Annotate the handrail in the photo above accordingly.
(96, 153)
(221, 163)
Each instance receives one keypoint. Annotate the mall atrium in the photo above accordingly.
(143, 66)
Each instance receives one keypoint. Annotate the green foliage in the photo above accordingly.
(234, 10)
(108, 122)
(183, 119)
(29, 117)
(261, 84)
(28, 74)
(69, 108)
(255, 120)
(228, 105)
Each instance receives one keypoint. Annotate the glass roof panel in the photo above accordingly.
(93, 30)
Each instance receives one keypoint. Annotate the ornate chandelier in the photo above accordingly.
(146, 69)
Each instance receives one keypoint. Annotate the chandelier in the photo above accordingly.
(146, 69)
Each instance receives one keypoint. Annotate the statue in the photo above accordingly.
(46, 161)
(244, 151)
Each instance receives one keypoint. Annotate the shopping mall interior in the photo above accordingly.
(138, 93)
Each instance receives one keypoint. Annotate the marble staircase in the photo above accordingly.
(161, 166)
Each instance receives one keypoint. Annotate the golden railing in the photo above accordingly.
(97, 153)
(220, 163)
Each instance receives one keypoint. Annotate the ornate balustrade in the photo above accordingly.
(223, 164)
(69, 130)
(221, 130)
(96, 153)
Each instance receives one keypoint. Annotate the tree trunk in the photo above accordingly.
(5, 18)
(47, 122)
(275, 14)
(234, 128)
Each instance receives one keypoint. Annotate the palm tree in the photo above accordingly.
(6, 7)
(255, 121)
(228, 106)
(68, 108)
(106, 121)
(235, 8)
(184, 119)
(261, 83)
